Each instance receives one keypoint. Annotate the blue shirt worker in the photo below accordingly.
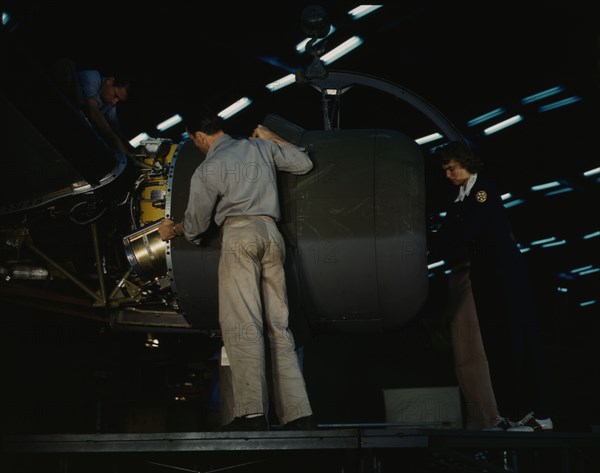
(96, 97)
(101, 96)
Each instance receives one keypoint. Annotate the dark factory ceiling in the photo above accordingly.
(465, 60)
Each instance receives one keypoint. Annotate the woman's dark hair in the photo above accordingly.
(202, 119)
(459, 152)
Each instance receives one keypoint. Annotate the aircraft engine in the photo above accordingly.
(354, 226)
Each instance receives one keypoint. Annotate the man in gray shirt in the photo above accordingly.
(238, 181)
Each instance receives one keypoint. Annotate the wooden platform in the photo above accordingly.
(361, 450)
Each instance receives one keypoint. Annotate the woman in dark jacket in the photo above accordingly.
(476, 230)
